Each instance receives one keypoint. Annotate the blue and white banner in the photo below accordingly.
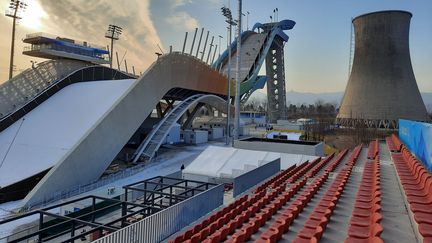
(417, 136)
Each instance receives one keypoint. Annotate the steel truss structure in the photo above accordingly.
(369, 123)
(104, 215)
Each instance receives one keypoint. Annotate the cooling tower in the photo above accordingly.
(382, 87)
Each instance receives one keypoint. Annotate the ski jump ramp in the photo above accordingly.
(92, 153)
(75, 133)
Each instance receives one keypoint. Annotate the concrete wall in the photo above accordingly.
(382, 85)
(315, 150)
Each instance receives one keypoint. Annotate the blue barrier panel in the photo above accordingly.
(417, 136)
(253, 177)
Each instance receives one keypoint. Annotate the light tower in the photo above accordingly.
(238, 81)
(15, 8)
(226, 12)
(113, 33)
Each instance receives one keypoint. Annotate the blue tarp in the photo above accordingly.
(417, 136)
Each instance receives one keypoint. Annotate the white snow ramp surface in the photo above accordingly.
(49, 131)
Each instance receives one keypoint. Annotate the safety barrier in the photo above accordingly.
(253, 177)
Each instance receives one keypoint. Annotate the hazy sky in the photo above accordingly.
(316, 56)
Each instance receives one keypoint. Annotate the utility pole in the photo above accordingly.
(238, 81)
(113, 33)
(14, 10)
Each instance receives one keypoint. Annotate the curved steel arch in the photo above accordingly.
(156, 137)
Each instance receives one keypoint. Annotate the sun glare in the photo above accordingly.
(33, 15)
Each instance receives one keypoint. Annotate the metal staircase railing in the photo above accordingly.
(156, 137)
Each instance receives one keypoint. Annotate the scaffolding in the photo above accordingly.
(101, 215)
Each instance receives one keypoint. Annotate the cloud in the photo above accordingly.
(180, 19)
(88, 20)
(183, 20)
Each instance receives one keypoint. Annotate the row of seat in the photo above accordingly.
(394, 144)
(203, 230)
(366, 217)
(391, 145)
(319, 166)
(352, 159)
(259, 217)
(373, 149)
(281, 224)
(281, 176)
(286, 176)
(221, 228)
(320, 216)
(304, 170)
(417, 185)
(397, 142)
(331, 167)
(221, 216)
(314, 227)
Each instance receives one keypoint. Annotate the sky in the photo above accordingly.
(316, 55)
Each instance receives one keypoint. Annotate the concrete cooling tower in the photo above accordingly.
(382, 87)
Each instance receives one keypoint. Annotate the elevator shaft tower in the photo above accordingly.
(275, 71)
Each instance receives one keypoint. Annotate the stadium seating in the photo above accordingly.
(417, 185)
(319, 166)
(396, 143)
(303, 171)
(314, 227)
(275, 231)
(331, 167)
(366, 217)
(373, 149)
(267, 213)
(391, 145)
(317, 221)
(276, 179)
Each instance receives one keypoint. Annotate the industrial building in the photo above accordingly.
(381, 88)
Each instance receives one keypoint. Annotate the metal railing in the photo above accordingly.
(76, 190)
(73, 50)
(160, 226)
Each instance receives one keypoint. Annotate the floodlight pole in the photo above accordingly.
(13, 44)
(229, 85)
(237, 93)
(14, 5)
(113, 33)
(227, 13)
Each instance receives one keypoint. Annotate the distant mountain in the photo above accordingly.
(298, 98)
